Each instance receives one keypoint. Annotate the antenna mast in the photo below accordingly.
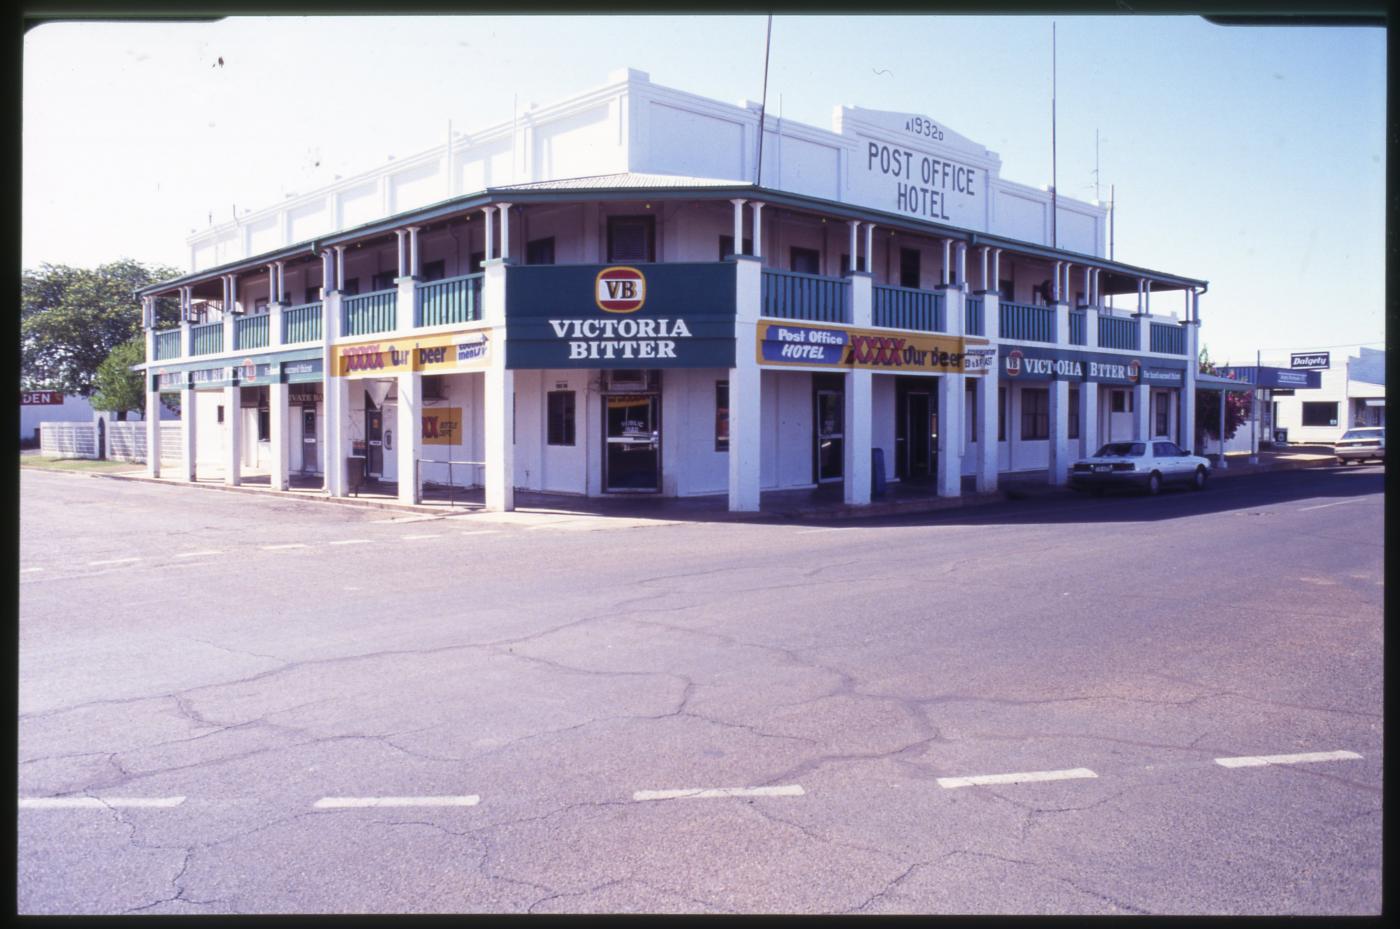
(762, 108)
(1054, 193)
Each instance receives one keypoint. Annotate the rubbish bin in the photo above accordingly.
(877, 472)
(1280, 436)
(354, 474)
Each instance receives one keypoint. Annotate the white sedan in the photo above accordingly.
(1148, 465)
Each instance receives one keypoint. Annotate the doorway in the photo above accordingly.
(631, 443)
(916, 429)
(374, 441)
(829, 432)
(309, 456)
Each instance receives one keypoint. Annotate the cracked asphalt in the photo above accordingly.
(555, 666)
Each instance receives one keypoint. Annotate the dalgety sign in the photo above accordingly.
(673, 315)
(1026, 363)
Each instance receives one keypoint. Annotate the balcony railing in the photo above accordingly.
(1168, 339)
(974, 321)
(453, 300)
(793, 295)
(167, 344)
(251, 331)
(301, 323)
(370, 313)
(1118, 332)
(1026, 323)
(1076, 327)
(207, 339)
(908, 308)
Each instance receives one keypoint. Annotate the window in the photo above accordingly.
(221, 413)
(971, 410)
(1121, 401)
(540, 252)
(726, 247)
(474, 264)
(434, 270)
(264, 425)
(561, 417)
(845, 267)
(313, 294)
(1001, 414)
(909, 267)
(1074, 412)
(1035, 413)
(1079, 298)
(1319, 414)
(721, 416)
(808, 260)
(1006, 290)
(351, 287)
(1166, 450)
(631, 238)
(260, 305)
(1161, 408)
(384, 280)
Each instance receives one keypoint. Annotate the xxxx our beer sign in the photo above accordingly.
(843, 347)
(441, 354)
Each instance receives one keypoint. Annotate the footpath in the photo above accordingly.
(822, 504)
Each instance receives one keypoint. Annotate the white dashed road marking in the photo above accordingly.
(273, 548)
(481, 532)
(414, 538)
(1020, 778)
(1323, 505)
(332, 803)
(113, 561)
(351, 542)
(27, 570)
(1254, 761)
(787, 790)
(95, 803)
(196, 554)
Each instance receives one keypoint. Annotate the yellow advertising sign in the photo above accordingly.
(436, 354)
(837, 346)
(442, 425)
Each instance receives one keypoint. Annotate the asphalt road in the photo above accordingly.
(276, 706)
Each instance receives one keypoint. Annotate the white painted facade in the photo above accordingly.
(633, 125)
(1352, 391)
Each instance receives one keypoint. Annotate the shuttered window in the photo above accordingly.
(631, 238)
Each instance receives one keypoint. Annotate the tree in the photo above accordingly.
(72, 318)
(1237, 405)
(116, 387)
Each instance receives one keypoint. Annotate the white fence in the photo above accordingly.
(68, 440)
(126, 441)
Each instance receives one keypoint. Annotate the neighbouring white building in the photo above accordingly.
(607, 295)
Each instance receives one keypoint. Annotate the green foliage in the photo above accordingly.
(72, 318)
(116, 387)
(1237, 405)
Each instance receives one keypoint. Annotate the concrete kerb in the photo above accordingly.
(1028, 486)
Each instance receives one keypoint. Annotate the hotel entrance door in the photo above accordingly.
(631, 443)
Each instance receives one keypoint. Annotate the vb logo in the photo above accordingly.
(620, 290)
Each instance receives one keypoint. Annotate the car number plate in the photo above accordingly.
(1102, 468)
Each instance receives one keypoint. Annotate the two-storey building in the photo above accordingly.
(608, 295)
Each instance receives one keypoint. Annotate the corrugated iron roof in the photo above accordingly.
(624, 181)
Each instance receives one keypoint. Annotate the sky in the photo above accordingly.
(1250, 157)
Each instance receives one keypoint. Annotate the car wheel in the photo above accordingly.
(1154, 483)
(1199, 482)
(1341, 460)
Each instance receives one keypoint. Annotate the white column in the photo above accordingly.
(335, 392)
(230, 301)
(869, 247)
(738, 226)
(505, 230)
(339, 268)
(986, 397)
(1088, 417)
(858, 395)
(945, 277)
(489, 247)
(1089, 285)
(1140, 307)
(962, 265)
(745, 390)
(279, 416)
(233, 436)
(152, 426)
(409, 438)
(1221, 463)
(415, 268)
(1055, 287)
(1058, 446)
(951, 402)
(996, 271)
(853, 264)
(327, 275)
(1142, 412)
(982, 254)
(499, 394)
(1188, 388)
(757, 231)
(189, 418)
(275, 305)
(401, 252)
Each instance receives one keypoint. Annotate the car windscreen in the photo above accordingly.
(1363, 434)
(1121, 450)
